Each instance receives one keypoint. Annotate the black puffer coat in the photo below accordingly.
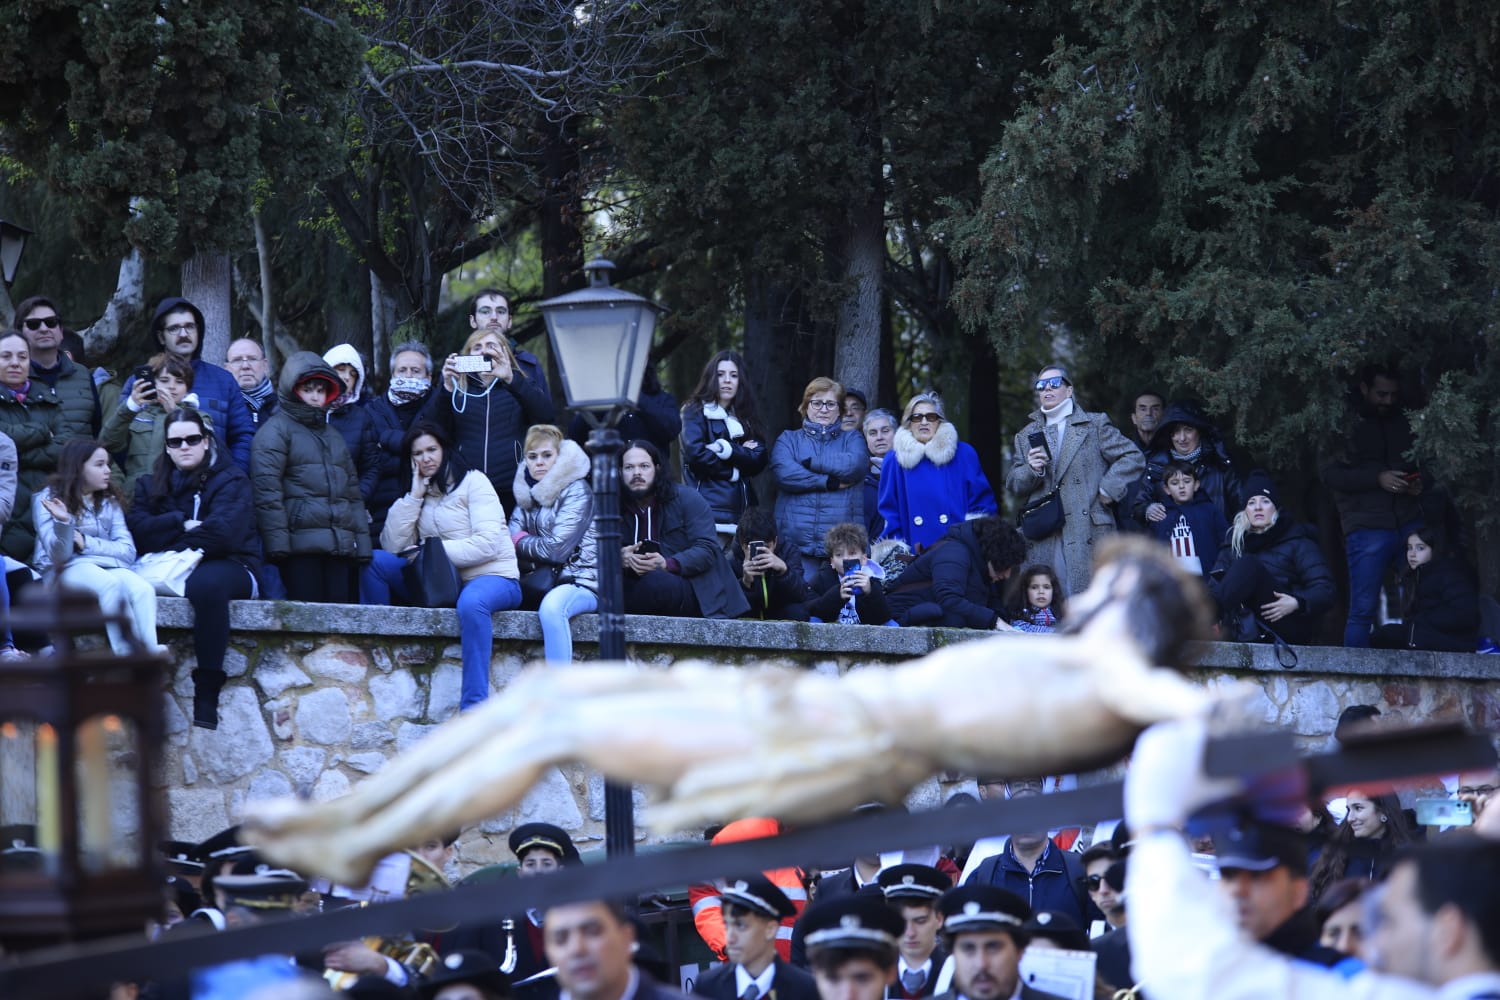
(1289, 552)
(220, 494)
(488, 429)
(307, 498)
(1217, 477)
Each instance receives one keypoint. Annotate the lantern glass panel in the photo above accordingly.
(109, 818)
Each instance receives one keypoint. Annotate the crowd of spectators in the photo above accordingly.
(877, 519)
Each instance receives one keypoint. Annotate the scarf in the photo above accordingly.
(405, 390)
(713, 411)
(256, 397)
(1191, 456)
(1057, 420)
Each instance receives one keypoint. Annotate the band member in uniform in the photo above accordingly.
(913, 891)
(983, 926)
(753, 910)
(851, 946)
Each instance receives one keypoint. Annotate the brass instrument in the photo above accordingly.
(418, 957)
(508, 963)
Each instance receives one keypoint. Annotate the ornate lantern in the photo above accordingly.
(80, 739)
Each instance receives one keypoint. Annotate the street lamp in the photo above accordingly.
(601, 337)
(12, 242)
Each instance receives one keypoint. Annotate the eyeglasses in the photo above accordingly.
(1055, 382)
(50, 322)
(925, 418)
(245, 361)
(176, 328)
(191, 441)
(822, 404)
(1476, 790)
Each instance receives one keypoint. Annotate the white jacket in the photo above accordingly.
(107, 540)
(470, 520)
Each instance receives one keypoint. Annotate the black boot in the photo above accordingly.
(206, 687)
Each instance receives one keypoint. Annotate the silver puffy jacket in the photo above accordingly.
(557, 515)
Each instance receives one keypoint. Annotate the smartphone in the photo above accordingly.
(1037, 439)
(755, 549)
(1444, 812)
(469, 364)
(648, 546)
(852, 566)
(143, 373)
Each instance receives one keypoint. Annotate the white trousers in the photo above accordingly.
(120, 592)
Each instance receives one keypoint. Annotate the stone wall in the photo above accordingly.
(320, 696)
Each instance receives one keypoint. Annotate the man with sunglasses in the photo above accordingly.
(38, 319)
(1083, 460)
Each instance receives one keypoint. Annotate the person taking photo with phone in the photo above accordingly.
(848, 589)
(137, 427)
(774, 590)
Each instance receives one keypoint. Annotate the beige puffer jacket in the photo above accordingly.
(469, 520)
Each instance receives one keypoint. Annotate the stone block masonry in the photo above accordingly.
(320, 696)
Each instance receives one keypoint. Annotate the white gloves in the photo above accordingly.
(1165, 783)
(721, 448)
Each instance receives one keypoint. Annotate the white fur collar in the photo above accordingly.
(571, 465)
(941, 449)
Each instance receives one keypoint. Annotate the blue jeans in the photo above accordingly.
(479, 599)
(562, 604)
(1370, 552)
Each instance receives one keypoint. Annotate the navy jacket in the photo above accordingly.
(1055, 885)
(226, 506)
(1208, 524)
(789, 983)
(952, 575)
(488, 429)
(654, 419)
(355, 425)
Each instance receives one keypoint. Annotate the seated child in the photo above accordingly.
(1439, 599)
(1036, 600)
(134, 433)
(848, 590)
(772, 590)
(1192, 525)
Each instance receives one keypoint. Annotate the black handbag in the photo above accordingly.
(535, 584)
(1043, 518)
(431, 578)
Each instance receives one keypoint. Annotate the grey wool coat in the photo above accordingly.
(1095, 457)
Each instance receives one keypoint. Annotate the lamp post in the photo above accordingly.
(601, 337)
(12, 243)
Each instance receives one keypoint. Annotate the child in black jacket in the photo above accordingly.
(848, 590)
(1193, 525)
(773, 590)
(1440, 603)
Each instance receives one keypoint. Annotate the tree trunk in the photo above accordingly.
(856, 356)
(267, 298)
(383, 317)
(124, 309)
(983, 431)
(207, 282)
(773, 311)
(561, 239)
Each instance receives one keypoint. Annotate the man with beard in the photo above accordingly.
(984, 930)
(753, 911)
(1378, 492)
(672, 560)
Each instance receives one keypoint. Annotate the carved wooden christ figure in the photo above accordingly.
(723, 743)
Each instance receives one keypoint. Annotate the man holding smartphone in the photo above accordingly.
(673, 564)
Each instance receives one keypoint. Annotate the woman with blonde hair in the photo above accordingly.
(552, 527)
(486, 411)
(820, 469)
(1271, 581)
(930, 480)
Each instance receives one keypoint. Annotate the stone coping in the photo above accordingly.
(729, 639)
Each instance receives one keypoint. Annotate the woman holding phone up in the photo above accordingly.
(1084, 458)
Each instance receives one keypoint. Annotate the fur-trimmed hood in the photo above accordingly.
(571, 465)
(941, 449)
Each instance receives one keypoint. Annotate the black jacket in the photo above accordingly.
(1444, 613)
(781, 597)
(225, 505)
(391, 421)
(1217, 478)
(1289, 551)
(1298, 937)
(355, 424)
(655, 419)
(952, 575)
(712, 476)
(789, 983)
(1373, 445)
(680, 520)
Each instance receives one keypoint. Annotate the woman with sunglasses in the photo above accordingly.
(1086, 460)
(930, 480)
(198, 498)
(820, 471)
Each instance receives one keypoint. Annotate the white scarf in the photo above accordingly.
(713, 411)
(1057, 419)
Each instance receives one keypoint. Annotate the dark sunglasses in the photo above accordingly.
(37, 323)
(1055, 382)
(1092, 881)
(191, 441)
(925, 418)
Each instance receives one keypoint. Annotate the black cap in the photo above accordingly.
(1059, 928)
(529, 835)
(272, 889)
(759, 895)
(1259, 847)
(918, 883)
(852, 922)
(473, 967)
(1258, 484)
(982, 908)
(182, 857)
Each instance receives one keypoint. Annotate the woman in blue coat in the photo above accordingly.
(930, 480)
(820, 470)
